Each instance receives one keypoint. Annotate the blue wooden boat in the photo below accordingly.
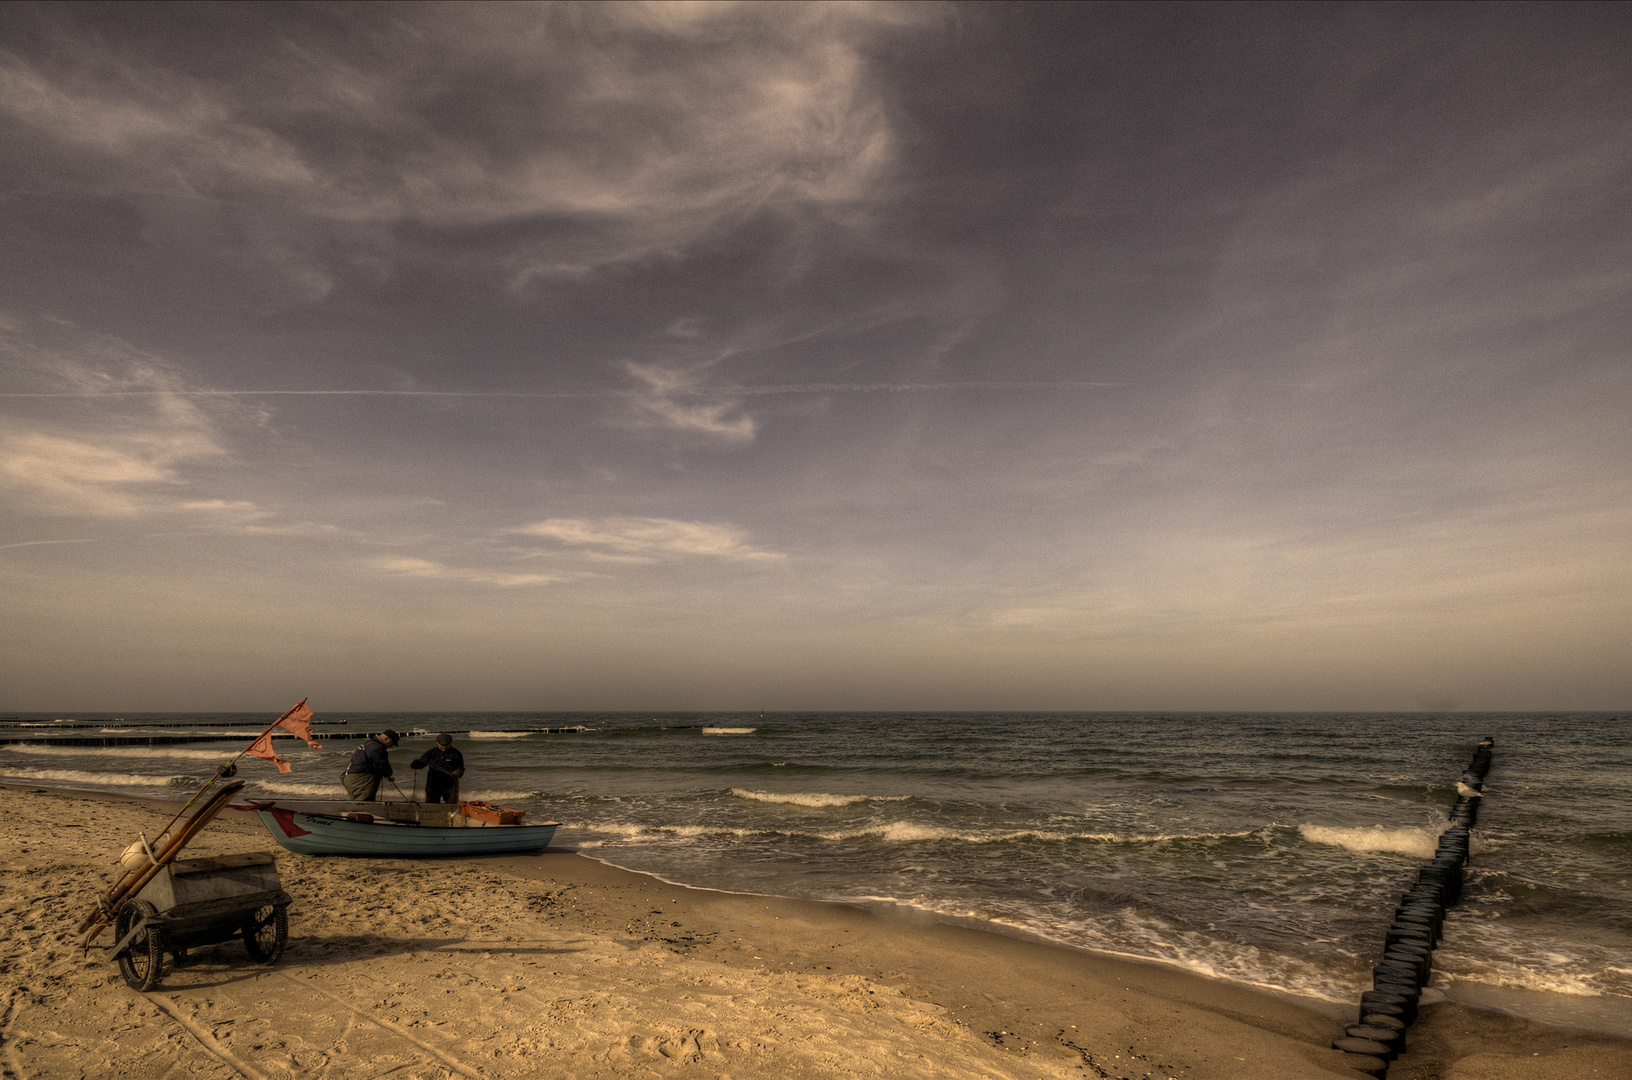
(394, 829)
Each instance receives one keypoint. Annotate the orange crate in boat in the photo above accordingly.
(491, 813)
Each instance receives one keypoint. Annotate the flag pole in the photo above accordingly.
(263, 734)
(227, 768)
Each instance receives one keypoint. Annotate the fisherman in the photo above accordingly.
(446, 766)
(369, 765)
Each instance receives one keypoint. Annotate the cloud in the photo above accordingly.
(658, 399)
(119, 462)
(71, 476)
(44, 543)
(405, 566)
(222, 506)
(639, 129)
(241, 514)
(646, 538)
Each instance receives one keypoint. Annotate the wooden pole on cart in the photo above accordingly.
(128, 875)
(132, 882)
(228, 768)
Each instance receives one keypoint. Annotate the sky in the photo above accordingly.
(860, 356)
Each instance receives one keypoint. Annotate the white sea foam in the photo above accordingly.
(1418, 842)
(503, 797)
(141, 753)
(729, 730)
(499, 734)
(1143, 937)
(286, 789)
(91, 779)
(814, 799)
(1555, 979)
(1533, 958)
(899, 832)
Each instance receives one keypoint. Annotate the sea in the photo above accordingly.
(1265, 849)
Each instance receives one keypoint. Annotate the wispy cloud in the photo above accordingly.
(663, 382)
(659, 399)
(118, 464)
(121, 476)
(43, 543)
(648, 538)
(647, 126)
(408, 567)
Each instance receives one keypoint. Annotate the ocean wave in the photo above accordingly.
(1418, 842)
(1143, 936)
(814, 799)
(287, 790)
(498, 734)
(333, 792)
(1608, 840)
(130, 753)
(900, 832)
(1417, 793)
(95, 779)
(729, 730)
(1553, 973)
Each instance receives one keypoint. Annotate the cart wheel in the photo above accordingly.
(265, 933)
(143, 959)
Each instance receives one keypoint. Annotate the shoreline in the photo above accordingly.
(561, 964)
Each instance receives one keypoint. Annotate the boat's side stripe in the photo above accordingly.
(286, 822)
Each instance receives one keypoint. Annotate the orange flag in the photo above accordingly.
(298, 721)
(262, 748)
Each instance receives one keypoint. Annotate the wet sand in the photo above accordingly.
(555, 965)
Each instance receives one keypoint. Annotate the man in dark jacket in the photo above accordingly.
(369, 765)
(446, 766)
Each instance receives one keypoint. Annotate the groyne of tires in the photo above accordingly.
(1388, 1009)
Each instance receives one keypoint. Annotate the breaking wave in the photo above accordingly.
(814, 799)
(1418, 842)
(900, 832)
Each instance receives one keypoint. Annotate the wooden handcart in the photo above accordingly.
(191, 903)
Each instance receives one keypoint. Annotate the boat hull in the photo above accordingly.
(323, 834)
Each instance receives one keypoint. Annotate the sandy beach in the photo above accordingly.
(555, 965)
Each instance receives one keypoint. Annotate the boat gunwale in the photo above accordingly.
(341, 836)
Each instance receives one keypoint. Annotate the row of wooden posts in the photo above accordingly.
(1389, 1007)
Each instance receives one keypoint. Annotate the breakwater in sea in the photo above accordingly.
(1389, 1008)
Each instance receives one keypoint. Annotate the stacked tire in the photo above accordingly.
(1388, 1009)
